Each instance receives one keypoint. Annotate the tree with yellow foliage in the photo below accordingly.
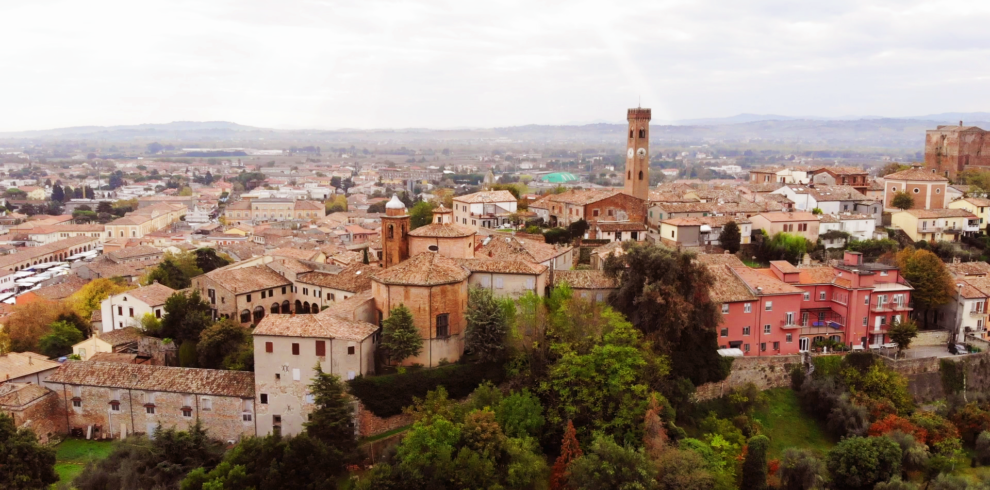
(88, 299)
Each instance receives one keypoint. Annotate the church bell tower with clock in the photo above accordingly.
(637, 181)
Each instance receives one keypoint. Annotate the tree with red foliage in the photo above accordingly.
(972, 420)
(570, 450)
(654, 435)
(891, 423)
(878, 408)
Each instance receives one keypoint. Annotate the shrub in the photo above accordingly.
(801, 470)
(943, 437)
(914, 455)
(859, 462)
(387, 395)
(847, 419)
(754, 470)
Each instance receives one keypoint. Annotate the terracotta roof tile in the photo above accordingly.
(17, 364)
(487, 197)
(247, 279)
(354, 278)
(20, 394)
(510, 247)
(425, 269)
(728, 287)
(32, 252)
(443, 230)
(121, 336)
(322, 325)
(585, 279)
(156, 378)
(719, 259)
(133, 252)
(822, 274)
(765, 280)
(153, 294)
(915, 174)
(938, 213)
(969, 268)
(793, 216)
(294, 253)
(502, 266)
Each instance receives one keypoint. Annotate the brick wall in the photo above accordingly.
(765, 372)
(369, 424)
(42, 416)
(161, 354)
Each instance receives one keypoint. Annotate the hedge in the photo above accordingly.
(387, 395)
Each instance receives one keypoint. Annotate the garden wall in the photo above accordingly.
(369, 424)
(925, 376)
(931, 337)
(764, 372)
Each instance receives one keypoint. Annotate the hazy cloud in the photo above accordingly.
(334, 64)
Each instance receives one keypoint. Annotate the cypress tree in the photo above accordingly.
(332, 421)
(754, 471)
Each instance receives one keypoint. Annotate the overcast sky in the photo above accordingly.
(441, 64)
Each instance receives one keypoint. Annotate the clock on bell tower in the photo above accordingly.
(637, 181)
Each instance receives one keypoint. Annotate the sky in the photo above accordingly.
(293, 64)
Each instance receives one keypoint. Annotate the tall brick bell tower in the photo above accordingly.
(395, 233)
(638, 154)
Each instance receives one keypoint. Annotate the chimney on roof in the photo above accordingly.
(960, 124)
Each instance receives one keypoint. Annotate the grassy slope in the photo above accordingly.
(788, 426)
(72, 455)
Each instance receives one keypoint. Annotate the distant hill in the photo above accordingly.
(902, 134)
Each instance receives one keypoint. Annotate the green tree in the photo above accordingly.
(364, 259)
(486, 325)
(186, 316)
(801, 470)
(892, 167)
(521, 415)
(680, 469)
(220, 343)
(208, 260)
(332, 420)
(665, 293)
(59, 340)
(168, 273)
(860, 462)
(932, 283)
(608, 465)
(783, 246)
(58, 194)
(896, 483)
(158, 462)
(902, 333)
(24, 464)
(902, 200)
(421, 214)
(270, 463)
(816, 211)
(400, 337)
(754, 470)
(577, 228)
(730, 238)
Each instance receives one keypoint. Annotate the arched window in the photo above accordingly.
(642, 133)
(629, 175)
(390, 231)
(286, 307)
(245, 316)
(259, 313)
(640, 175)
(274, 308)
(630, 134)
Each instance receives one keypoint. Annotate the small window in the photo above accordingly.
(443, 327)
(206, 404)
(766, 329)
(763, 346)
(115, 406)
(866, 300)
(149, 409)
(821, 296)
(725, 308)
(269, 347)
(283, 289)
(776, 346)
(321, 348)
(249, 298)
(789, 338)
(247, 417)
(746, 347)
(187, 412)
(807, 296)
(158, 313)
(295, 349)
(769, 306)
(77, 403)
(745, 330)
(917, 190)
(350, 350)
(264, 399)
(748, 308)
(724, 332)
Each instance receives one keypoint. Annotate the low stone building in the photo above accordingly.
(32, 406)
(245, 294)
(591, 285)
(120, 340)
(25, 367)
(511, 278)
(119, 399)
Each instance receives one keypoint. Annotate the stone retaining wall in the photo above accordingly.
(931, 337)
(764, 372)
(369, 424)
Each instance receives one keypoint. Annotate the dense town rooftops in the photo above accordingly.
(156, 378)
(248, 279)
(581, 197)
(32, 253)
(425, 269)
(133, 252)
(829, 192)
(841, 170)
(719, 259)
(792, 216)
(976, 268)
(153, 294)
(294, 253)
(314, 326)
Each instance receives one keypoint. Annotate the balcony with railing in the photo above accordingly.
(819, 322)
(881, 307)
(972, 225)
(927, 228)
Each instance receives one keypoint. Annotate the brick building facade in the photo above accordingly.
(953, 149)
